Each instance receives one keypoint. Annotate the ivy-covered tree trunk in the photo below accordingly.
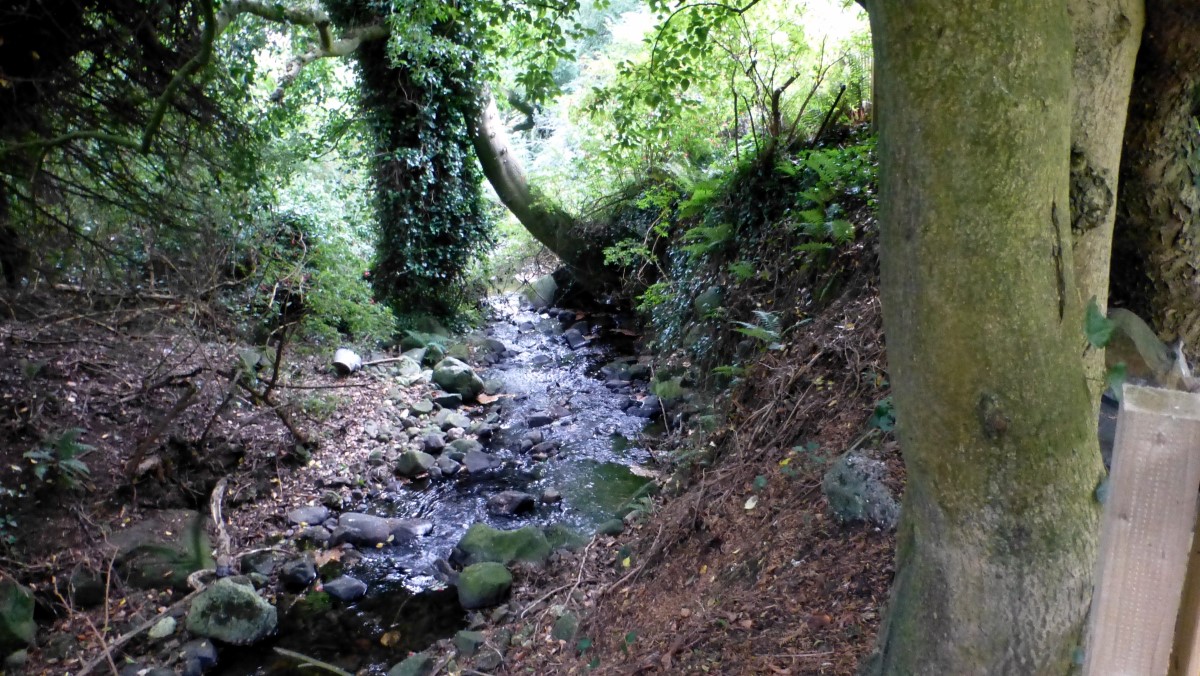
(983, 321)
(419, 100)
(1157, 239)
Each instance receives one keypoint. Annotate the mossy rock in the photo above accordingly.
(17, 628)
(483, 585)
(231, 612)
(562, 536)
(419, 664)
(482, 543)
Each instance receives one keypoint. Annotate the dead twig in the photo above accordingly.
(133, 633)
(139, 451)
(306, 661)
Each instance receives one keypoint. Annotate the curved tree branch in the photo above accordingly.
(215, 24)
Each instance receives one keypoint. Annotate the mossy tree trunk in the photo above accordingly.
(1157, 239)
(580, 249)
(1107, 34)
(983, 320)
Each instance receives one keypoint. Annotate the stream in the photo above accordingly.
(596, 470)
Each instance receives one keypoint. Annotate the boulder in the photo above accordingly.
(466, 446)
(163, 549)
(855, 490)
(575, 338)
(542, 292)
(455, 376)
(448, 399)
(308, 515)
(422, 407)
(434, 443)
(419, 664)
(562, 536)
(361, 530)
(345, 588)
(478, 461)
(448, 466)
(510, 503)
(483, 543)
(410, 529)
(467, 643)
(231, 612)
(413, 463)
(483, 585)
(298, 573)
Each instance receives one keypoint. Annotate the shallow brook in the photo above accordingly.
(596, 468)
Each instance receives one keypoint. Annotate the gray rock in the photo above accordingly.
(422, 407)
(483, 543)
(448, 399)
(494, 346)
(541, 359)
(15, 662)
(478, 461)
(434, 443)
(453, 375)
(539, 419)
(483, 585)
(318, 535)
(308, 515)
(855, 491)
(414, 463)
(448, 466)
(262, 563)
(298, 573)
(162, 629)
(575, 339)
(419, 664)
(545, 448)
(200, 655)
(455, 419)
(231, 612)
(361, 530)
(466, 446)
(551, 496)
(345, 588)
(332, 500)
(509, 503)
(565, 627)
(542, 292)
(489, 661)
(410, 529)
(467, 643)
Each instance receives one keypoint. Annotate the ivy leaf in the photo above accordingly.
(1115, 378)
(1099, 329)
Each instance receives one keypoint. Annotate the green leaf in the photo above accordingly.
(1096, 326)
(760, 482)
(1114, 378)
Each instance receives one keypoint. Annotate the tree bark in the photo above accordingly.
(559, 231)
(983, 320)
(1157, 239)
(1107, 34)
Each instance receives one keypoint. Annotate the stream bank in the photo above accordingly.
(366, 574)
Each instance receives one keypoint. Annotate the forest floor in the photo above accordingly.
(738, 569)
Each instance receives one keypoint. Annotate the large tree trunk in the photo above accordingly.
(1157, 240)
(578, 249)
(1107, 34)
(984, 329)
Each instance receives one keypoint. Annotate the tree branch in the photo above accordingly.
(215, 24)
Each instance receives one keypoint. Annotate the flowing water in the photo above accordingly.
(596, 470)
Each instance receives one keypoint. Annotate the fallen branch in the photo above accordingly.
(224, 557)
(139, 452)
(306, 661)
(133, 633)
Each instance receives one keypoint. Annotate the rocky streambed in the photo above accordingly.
(530, 450)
